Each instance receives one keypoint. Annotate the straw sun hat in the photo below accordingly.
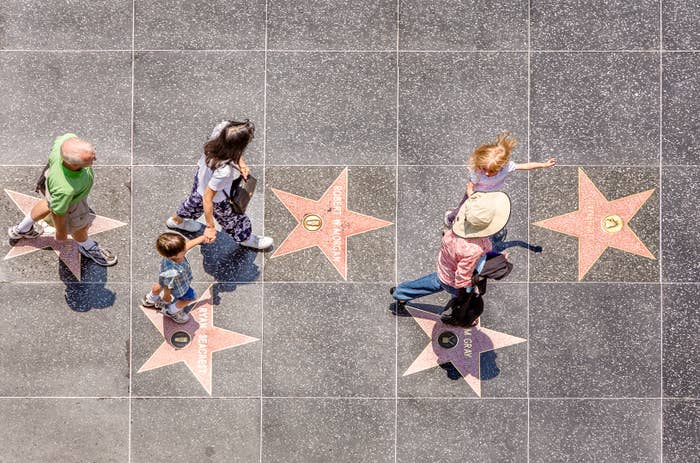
(483, 214)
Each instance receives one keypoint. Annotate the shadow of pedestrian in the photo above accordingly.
(499, 244)
(90, 291)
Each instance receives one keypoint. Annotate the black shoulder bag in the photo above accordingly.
(241, 192)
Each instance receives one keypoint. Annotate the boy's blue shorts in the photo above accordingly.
(189, 295)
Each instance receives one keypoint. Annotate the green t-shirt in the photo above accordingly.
(65, 186)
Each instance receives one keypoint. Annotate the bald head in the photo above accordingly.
(77, 153)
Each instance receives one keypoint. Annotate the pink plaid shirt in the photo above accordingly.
(457, 258)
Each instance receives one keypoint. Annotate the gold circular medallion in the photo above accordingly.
(612, 223)
(312, 222)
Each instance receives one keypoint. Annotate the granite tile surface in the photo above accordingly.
(328, 341)
(681, 430)
(681, 123)
(329, 25)
(219, 430)
(450, 103)
(179, 97)
(331, 108)
(680, 19)
(679, 239)
(590, 25)
(595, 108)
(321, 430)
(681, 349)
(463, 25)
(595, 430)
(218, 24)
(594, 340)
(45, 96)
(66, 430)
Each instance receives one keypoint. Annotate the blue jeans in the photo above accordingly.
(423, 286)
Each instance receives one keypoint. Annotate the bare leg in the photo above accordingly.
(40, 210)
(80, 235)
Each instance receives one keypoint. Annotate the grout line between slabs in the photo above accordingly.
(131, 227)
(396, 238)
(262, 264)
(527, 288)
(335, 50)
(265, 165)
(661, 202)
(387, 398)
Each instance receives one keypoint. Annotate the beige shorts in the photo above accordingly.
(78, 215)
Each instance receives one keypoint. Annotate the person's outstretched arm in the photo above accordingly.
(536, 165)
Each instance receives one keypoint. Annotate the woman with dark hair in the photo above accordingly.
(221, 164)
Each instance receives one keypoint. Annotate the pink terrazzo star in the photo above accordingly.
(206, 339)
(469, 343)
(326, 223)
(67, 250)
(599, 224)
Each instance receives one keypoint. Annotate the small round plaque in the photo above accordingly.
(312, 222)
(612, 223)
(447, 340)
(180, 339)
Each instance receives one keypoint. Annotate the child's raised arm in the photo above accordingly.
(194, 242)
(536, 165)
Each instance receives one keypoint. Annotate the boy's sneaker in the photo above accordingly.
(99, 255)
(149, 304)
(257, 242)
(186, 225)
(34, 232)
(48, 229)
(178, 317)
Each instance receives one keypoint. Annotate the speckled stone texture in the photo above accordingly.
(555, 191)
(331, 108)
(681, 349)
(450, 103)
(328, 341)
(235, 371)
(90, 362)
(681, 430)
(680, 203)
(463, 25)
(370, 254)
(214, 24)
(449, 430)
(681, 123)
(31, 25)
(219, 430)
(680, 20)
(343, 431)
(595, 108)
(606, 431)
(595, 340)
(97, 430)
(503, 371)
(180, 96)
(591, 25)
(48, 94)
(328, 25)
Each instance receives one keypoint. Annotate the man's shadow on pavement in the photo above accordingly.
(500, 244)
(90, 291)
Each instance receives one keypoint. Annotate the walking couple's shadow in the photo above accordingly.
(90, 292)
(500, 244)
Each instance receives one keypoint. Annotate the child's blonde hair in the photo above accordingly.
(492, 157)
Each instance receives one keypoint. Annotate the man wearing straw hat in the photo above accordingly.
(481, 216)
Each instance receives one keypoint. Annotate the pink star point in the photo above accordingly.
(338, 223)
(67, 250)
(586, 224)
(206, 339)
(465, 355)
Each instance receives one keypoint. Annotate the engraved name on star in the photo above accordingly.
(600, 224)
(326, 223)
(462, 347)
(66, 250)
(206, 339)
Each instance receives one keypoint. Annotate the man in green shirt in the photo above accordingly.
(69, 179)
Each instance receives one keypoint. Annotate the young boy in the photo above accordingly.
(174, 278)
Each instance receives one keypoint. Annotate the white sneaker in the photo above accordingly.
(446, 218)
(257, 242)
(178, 317)
(48, 229)
(187, 225)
